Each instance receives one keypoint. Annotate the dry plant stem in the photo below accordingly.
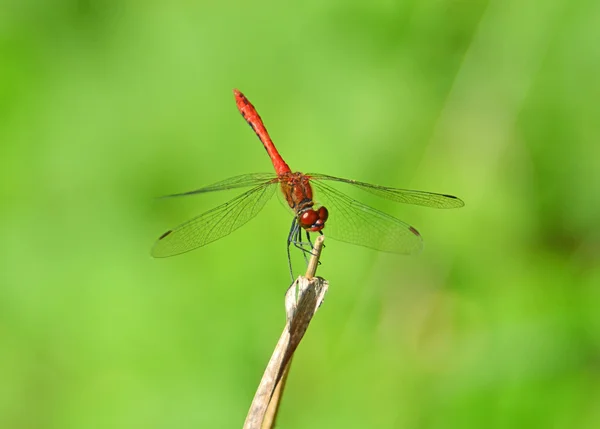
(273, 408)
(302, 300)
(311, 270)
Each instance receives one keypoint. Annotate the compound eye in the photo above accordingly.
(308, 218)
(323, 214)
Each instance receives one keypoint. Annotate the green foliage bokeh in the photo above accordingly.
(105, 105)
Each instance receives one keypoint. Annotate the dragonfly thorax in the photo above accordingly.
(313, 220)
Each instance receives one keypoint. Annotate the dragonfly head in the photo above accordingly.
(313, 220)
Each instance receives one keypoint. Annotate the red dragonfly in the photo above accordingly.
(346, 220)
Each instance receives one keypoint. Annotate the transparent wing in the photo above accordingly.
(215, 223)
(406, 196)
(356, 223)
(243, 181)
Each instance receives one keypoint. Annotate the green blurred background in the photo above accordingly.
(105, 105)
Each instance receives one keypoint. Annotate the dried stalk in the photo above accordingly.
(302, 300)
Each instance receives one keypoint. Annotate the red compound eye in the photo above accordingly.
(323, 214)
(308, 218)
(313, 220)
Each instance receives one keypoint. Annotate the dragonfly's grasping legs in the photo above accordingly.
(290, 238)
(309, 240)
(295, 237)
(312, 246)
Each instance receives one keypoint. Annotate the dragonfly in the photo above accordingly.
(335, 215)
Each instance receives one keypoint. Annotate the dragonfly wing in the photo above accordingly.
(356, 223)
(213, 224)
(243, 181)
(406, 196)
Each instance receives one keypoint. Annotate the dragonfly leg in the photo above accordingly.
(306, 247)
(301, 245)
(295, 238)
(312, 246)
(290, 239)
(309, 240)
